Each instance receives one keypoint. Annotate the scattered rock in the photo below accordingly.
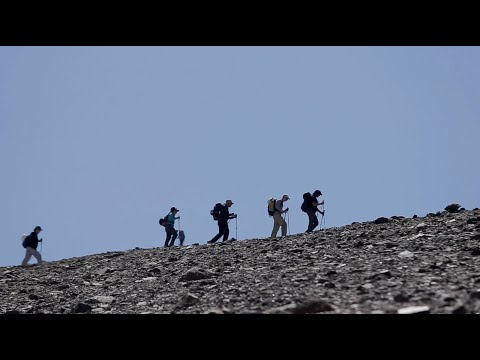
(188, 300)
(406, 254)
(414, 310)
(102, 299)
(404, 261)
(82, 308)
(195, 274)
(452, 208)
(401, 298)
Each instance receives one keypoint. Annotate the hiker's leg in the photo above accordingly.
(315, 221)
(284, 227)
(226, 231)
(311, 220)
(277, 221)
(220, 232)
(168, 237)
(37, 255)
(28, 255)
(174, 236)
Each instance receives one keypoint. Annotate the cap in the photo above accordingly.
(38, 228)
(229, 202)
(286, 197)
(174, 209)
(317, 193)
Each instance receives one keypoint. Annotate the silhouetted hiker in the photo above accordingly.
(30, 244)
(223, 216)
(169, 227)
(310, 203)
(278, 220)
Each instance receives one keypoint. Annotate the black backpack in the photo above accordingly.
(215, 212)
(163, 220)
(24, 238)
(306, 197)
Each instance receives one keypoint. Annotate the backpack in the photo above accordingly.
(23, 238)
(271, 206)
(163, 220)
(215, 212)
(306, 197)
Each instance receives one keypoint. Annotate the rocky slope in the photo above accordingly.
(390, 265)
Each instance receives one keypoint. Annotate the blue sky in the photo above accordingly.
(97, 143)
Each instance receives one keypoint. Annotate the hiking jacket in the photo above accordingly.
(31, 240)
(279, 206)
(309, 203)
(224, 214)
(171, 219)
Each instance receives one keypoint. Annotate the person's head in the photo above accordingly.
(285, 197)
(38, 229)
(229, 203)
(174, 210)
(317, 193)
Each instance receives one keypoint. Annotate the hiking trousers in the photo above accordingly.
(222, 230)
(29, 252)
(278, 221)
(171, 235)
(312, 220)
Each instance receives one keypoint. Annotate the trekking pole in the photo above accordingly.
(323, 216)
(287, 218)
(180, 241)
(236, 235)
(288, 222)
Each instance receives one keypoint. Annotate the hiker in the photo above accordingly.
(278, 220)
(30, 244)
(310, 203)
(169, 227)
(223, 217)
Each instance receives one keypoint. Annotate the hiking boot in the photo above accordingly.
(210, 242)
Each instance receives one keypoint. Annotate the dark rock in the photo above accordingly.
(187, 301)
(381, 220)
(195, 274)
(452, 208)
(382, 274)
(82, 308)
(475, 236)
(156, 271)
(312, 306)
(475, 294)
(401, 298)
(459, 310)
(475, 252)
